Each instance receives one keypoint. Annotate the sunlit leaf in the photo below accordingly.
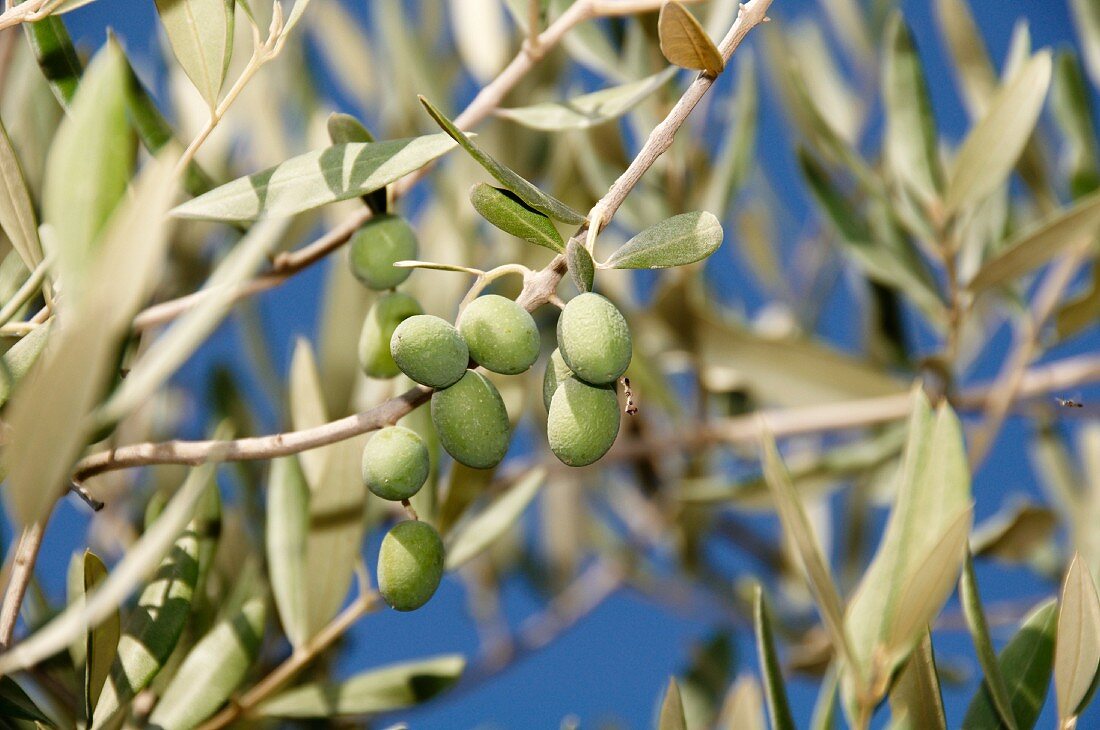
(1026, 664)
(378, 690)
(524, 190)
(1070, 102)
(684, 42)
(507, 212)
(775, 690)
(200, 33)
(677, 241)
(212, 670)
(17, 216)
(56, 56)
(974, 614)
(976, 76)
(743, 708)
(672, 709)
(1077, 649)
(1086, 16)
(101, 642)
(308, 181)
(993, 146)
(582, 270)
(468, 540)
(17, 361)
(285, 537)
(915, 699)
(587, 110)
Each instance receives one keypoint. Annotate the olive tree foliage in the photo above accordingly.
(477, 284)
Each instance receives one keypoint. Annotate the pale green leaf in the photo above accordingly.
(346, 129)
(933, 492)
(101, 642)
(994, 144)
(212, 670)
(677, 241)
(1086, 16)
(1040, 243)
(308, 181)
(743, 708)
(775, 690)
(1072, 108)
(587, 110)
(524, 190)
(1026, 664)
(468, 540)
(976, 76)
(307, 408)
(915, 699)
(378, 690)
(17, 216)
(201, 35)
(974, 614)
(507, 212)
(579, 263)
(286, 536)
(684, 42)
(1077, 649)
(89, 166)
(672, 709)
(17, 361)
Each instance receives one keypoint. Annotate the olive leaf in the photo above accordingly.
(285, 537)
(974, 614)
(579, 263)
(200, 33)
(344, 129)
(1070, 102)
(775, 691)
(17, 216)
(378, 690)
(685, 43)
(56, 56)
(993, 146)
(1015, 532)
(1077, 648)
(916, 702)
(212, 670)
(672, 709)
(16, 705)
(507, 212)
(524, 190)
(677, 241)
(587, 110)
(317, 178)
(468, 540)
(1026, 663)
(101, 641)
(1087, 19)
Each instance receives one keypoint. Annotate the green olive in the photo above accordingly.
(395, 463)
(376, 246)
(471, 421)
(594, 339)
(429, 350)
(502, 335)
(556, 373)
(410, 565)
(374, 342)
(583, 421)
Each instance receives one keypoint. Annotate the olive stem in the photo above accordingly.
(409, 510)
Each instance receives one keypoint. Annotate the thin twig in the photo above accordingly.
(21, 572)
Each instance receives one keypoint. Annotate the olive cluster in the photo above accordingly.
(467, 411)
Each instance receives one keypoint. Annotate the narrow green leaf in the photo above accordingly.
(588, 110)
(306, 400)
(56, 56)
(1071, 104)
(17, 217)
(672, 709)
(89, 165)
(378, 690)
(684, 42)
(994, 684)
(468, 540)
(152, 630)
(797, 528)
(581, 268)
(101, 642)
(677, 241)
(285, 537)
(200, 33)
(775, 690)
(995, 143)
(17, 361)
(346, 129)
(317, 178)
(824, 717)
(1026, 664)
(1035, 246)
(16, 705)
(507, 212)
(915, 699)
(910, 145)
(1015, 532)
(1077, 650)
(213, 669)
(930, 514)
(976, 76)
(524, 190)
(1086, 16)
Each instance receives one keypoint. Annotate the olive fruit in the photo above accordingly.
(395, 463)
(501, 334)
(594, 339)
(374, 341)
(376, 246)
(556, 373)
(410, 565)
(583, 421)
(429, 350)
(471, 421)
